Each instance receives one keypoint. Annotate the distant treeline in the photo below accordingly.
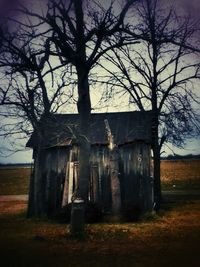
(176, 156)
(15, 165)
(169, 157)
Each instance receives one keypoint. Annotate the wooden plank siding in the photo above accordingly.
(53, 172)
(135, 181)
(59, 171)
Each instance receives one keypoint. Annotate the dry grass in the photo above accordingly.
(14, 181)
(171, 239)
(182, 174)
(180, 170)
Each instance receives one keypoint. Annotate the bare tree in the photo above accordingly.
(81, 33)
(30, 92)
(160, 74)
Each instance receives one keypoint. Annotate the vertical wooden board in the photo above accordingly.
(130, 176)
(121, 175)
(148, 182)
(65, 186)
(61, 172)
(94, 184)
(48, 180)
(54, 164)
(94, 174)
(30, 209)
(66, 178)
(139, 181)
(70, 182)
(40, 183)
(54, 179)
(149, 185)
(51, 181)
(106, 193)
(104, 180)
(58, 159)
(75, 153)
(75, 175)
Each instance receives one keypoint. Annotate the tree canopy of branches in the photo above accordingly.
(78, 33)
(31, 85)
(32, 88)
(161, 74)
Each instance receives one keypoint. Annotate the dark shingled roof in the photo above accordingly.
(126, 127)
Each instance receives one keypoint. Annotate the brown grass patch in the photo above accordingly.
(12, 207)
(183, 170)
(180, 174)
(171, 239)
(14, 181)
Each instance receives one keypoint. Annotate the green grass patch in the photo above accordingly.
(14, 181)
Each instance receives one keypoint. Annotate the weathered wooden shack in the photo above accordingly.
(58, 165)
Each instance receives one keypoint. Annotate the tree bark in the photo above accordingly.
(81, 191)
(156, 157)
(80, 196)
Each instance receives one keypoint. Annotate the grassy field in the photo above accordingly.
(180, 174)
(175, 174)
(14, 181)
(169, 238)
(172, 239)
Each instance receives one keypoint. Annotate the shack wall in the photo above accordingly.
(134, 174)
(100, 177)
(136, 184)
(52, 172)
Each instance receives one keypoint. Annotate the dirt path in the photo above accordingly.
(14, 198)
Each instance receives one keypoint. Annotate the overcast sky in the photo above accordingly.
(192, 147)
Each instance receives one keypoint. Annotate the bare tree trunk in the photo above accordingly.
(156, 156)
(157, 182)
(80, 196)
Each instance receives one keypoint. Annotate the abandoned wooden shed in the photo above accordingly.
(57, 167)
